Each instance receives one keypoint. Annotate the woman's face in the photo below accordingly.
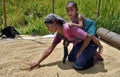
(51, 27)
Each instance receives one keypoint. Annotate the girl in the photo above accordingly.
(86, 24)
(82, 52)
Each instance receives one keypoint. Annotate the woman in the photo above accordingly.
(82, 52)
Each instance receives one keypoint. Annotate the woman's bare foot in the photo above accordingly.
(98, 57)
(100, 51)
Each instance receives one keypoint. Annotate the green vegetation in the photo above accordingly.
(28, 15)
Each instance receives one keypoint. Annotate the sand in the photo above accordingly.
(15, 54)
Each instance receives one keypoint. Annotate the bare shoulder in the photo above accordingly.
(81, 17)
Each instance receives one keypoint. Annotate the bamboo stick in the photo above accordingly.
(4, 12)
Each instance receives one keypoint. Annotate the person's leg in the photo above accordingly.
(86, 59)
(89, 63)
(92, 31)
(75, 49)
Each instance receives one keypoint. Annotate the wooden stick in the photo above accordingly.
(4, 10)
(53, 6)
(98, 9)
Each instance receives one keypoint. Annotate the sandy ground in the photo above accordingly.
(15, 54)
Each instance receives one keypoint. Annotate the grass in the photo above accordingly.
(28, 15)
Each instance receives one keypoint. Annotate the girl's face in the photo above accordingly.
(51, 27)
(71, 11)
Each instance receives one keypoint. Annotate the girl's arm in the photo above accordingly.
(80, 24)
(81, 20)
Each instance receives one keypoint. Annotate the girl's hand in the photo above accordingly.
(71, 24)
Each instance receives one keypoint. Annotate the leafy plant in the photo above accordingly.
(28, 15)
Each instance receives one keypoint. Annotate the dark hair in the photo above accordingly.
(73, 3)
(50, 17)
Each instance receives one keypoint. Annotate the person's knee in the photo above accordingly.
(76, 67)
(80, 63)
(83, 64)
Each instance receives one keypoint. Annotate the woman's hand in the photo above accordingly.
(33, 65)
(78, 55)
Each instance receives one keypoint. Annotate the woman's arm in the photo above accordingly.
(46, 53)
(85, 44)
